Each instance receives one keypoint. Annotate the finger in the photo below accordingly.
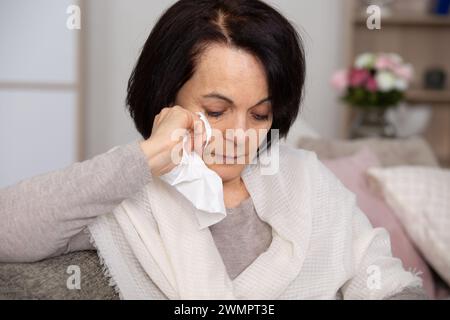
(190, 142)
(163, 114)
(156, 120)
(160, 116)
(199, 136)
(192, 118)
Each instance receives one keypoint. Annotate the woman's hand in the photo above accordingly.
(158, 147)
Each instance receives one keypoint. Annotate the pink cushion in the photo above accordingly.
(351, 172)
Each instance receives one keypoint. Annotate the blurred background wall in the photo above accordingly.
(40, 89)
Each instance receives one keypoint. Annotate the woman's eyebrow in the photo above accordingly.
(216, 95)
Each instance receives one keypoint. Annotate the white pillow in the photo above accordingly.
(420, 197)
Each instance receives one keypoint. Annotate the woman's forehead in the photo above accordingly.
(228, 70)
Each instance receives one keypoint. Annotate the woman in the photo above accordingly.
(290, 235)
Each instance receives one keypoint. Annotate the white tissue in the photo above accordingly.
(199, 184)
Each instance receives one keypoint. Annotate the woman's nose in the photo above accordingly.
(239, 130)
(240, 122)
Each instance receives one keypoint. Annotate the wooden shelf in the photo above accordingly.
(409, 20)
(422, 39)
(444, 163)
(428, 96)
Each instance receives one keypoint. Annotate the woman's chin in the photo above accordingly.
(227, 171)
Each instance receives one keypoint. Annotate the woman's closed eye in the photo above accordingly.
(218, 114)
(214, 114)
(261, 117)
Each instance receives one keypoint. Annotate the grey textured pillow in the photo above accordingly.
(48, 279)
(390, 152)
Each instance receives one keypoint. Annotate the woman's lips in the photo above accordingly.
(229, 157)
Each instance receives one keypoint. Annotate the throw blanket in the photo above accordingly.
(153, 248)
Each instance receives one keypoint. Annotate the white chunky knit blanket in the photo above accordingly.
(323, 246)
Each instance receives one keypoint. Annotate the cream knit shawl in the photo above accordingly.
(153, 248)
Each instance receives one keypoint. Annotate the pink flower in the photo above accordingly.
(358, 77)
(405, 71)
(339, 80)
(371, 84)
(388, 61)
(384, 62)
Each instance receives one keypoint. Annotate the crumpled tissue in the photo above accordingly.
(199, 184)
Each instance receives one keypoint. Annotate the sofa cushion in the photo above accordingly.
(420, 198)
(390, 152)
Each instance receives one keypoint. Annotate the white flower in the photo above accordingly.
(365, 60)
(385, 81)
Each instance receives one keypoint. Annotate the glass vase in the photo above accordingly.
(372, 123)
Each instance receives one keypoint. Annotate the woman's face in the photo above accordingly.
(230, 87)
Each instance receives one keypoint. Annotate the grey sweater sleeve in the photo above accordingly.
(41, 217)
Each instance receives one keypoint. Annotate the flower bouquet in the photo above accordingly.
(373, 84)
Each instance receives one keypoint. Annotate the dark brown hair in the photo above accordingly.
(168, 58)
